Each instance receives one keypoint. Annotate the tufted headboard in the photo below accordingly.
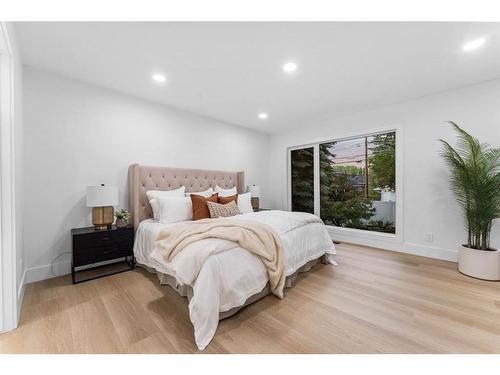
(142, 179)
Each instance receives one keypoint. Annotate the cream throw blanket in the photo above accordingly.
(257, 238)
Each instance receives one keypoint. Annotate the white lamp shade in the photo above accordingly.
(102, 196)
(254, 189)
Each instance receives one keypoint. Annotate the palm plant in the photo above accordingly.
(475, 181)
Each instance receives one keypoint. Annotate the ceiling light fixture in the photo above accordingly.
(290, 67)
(263, 116)
(473, 44)
(159, 78)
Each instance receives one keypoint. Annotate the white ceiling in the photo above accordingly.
(233, 71)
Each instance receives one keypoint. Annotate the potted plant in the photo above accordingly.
(122, 218)
(475, 181)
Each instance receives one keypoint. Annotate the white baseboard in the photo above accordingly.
(56, 269)
(430, 251)
(48, 271)
(402, 247)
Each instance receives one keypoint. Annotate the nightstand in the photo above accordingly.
(261, 209)
(92, 246)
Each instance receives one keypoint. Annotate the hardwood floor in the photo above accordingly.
(374, 302)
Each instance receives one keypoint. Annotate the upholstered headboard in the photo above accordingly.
(142, 179)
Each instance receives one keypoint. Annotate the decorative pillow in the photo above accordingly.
(245, 203)
(226, 200)
(175, 209)
(225, 192)
(153, 196)
(206, 193)
(200, 209)
(223, 210)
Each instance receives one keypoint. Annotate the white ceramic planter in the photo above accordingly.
(480, 264)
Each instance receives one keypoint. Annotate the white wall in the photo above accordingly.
(428, 203)
(78, 135)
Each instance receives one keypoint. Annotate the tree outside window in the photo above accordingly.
(357, 182)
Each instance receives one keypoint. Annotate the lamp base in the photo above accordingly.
(255, 202)
(102, 217)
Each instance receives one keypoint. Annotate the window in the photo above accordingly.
(357, 182)
(302, 179)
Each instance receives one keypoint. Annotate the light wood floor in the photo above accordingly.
(374, 302)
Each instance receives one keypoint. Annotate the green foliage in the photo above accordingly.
(122, 214)
(349, 213)
(475, 181)
(348, 169)
(303, 180)
(380, 226)
(341, 203)
(382, 163)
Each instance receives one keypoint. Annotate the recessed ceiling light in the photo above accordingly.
(159, 78)
(263, 115)
(473, 44)
(290, 67)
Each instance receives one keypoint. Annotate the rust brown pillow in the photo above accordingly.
(200, 209)
(226, 200)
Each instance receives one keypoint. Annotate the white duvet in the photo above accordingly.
(231, 274)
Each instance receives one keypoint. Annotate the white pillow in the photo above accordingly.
(207, 193)
(245, 203)
(153, 196)
(175, 209)
(225, 192)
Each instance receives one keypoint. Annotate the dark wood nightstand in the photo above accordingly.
(92, 246)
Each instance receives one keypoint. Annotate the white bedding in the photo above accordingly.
(228, 278)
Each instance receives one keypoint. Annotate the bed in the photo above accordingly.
(234, 278)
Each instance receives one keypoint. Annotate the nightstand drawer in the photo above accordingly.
(97, 238)
(103, 242)
(112, 251)
(85, 254)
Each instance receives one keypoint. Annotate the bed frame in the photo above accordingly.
(143, 178)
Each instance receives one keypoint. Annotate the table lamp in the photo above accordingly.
(255, 194)
(102, 199)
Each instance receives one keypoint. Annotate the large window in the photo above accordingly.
(357, 182)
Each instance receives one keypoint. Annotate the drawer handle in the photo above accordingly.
(105, 238)
(107, 252)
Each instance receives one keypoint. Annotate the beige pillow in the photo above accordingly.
(223, 210)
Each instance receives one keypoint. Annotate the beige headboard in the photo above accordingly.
(142, 179)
